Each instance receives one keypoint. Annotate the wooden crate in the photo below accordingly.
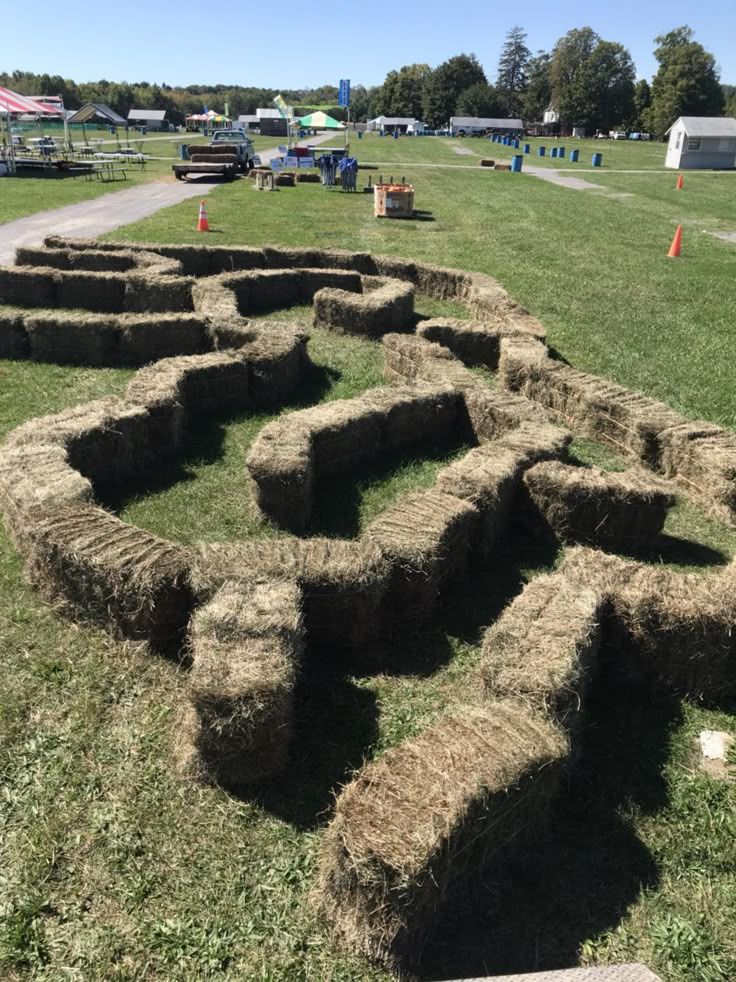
(393, 200)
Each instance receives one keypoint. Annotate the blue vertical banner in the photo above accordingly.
(344, 99)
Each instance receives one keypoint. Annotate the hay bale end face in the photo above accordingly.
(343, 583)
(425, 819)
(617, 511)
(385, 305)
(247, 646)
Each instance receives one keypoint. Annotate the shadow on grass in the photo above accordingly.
(338, 497)
(203, 444)
(579, 879)
(336, 725)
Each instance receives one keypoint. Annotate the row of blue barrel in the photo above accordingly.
(559, 152)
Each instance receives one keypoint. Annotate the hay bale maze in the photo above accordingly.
(416, 825)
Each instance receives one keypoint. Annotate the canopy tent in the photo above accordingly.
(97, 110)
(14, 104)
(320, 121)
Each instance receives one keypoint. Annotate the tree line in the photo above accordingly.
(589, 81)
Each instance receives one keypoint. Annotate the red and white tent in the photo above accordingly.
(12, 102)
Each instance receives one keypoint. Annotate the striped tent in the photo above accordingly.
(15, 104)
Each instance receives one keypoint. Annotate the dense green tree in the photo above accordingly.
(592, 81)
(686, 83)
(729, 98)
(538, 91)
(444, 85)
(642, 100)
(512, 71)
(402, 91)
(481, 100)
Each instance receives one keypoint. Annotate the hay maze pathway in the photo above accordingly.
(415, 825)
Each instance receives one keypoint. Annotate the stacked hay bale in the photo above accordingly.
(490, 476)
(425, 819)
(291, 454)
(475, 342)
(622, 512)
(246, 649)
(343, 583)
(384, 305)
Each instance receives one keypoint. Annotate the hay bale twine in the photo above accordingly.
(247, 648)
(417, 826)
(617, 511)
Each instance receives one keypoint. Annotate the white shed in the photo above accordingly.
(470, 125)
(704, 142)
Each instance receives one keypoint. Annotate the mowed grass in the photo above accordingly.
(116, 870)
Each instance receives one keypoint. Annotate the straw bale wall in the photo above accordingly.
(383, 306)
(290, 455)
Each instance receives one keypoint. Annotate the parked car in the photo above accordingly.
(620, 134)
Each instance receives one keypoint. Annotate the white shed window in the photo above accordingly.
(694, 144)
(678, 137)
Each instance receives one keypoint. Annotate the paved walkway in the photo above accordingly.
(99, 215)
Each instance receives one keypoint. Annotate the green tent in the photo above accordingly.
(320, 121)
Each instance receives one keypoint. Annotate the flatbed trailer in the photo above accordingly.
(186, 167)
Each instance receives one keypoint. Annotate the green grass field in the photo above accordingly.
(113, 869)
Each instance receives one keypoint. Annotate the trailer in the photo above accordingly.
(221, 161)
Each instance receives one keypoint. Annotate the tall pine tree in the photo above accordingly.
(512, 69)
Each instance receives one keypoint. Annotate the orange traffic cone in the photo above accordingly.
(678, 186)
(202, 225)
(676, 246)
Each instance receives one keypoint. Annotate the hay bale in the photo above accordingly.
(13, 336)
(412, 415)
(487, 162)
(285, 179)
(74, 339)
(498, 166)
(543, 649)
(307, 177)
(343, 583)
(417, 826)
(426, 537)
(215, 158)
(121, 577)
(621, 512)
(144, 338)
(260, 290)
(442, 283)
(150, 292)
(490, 476)
(384, 306)
(34, 478)
(281, 469)
(104, 440)
(27, 286)
(279, 257)
(474, 342)
(247, 647)
(405, 356)
(701, 458)
(102, 292)
(277, 360)
(487, 298)
(314, 280)
(492, 413)
(664, 631)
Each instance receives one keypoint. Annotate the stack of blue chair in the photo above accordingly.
(348, 168)
(327, 164)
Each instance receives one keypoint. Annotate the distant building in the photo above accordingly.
(152, 119)
(479, 125)
(247, 122)
(391, 124)
(701, 142)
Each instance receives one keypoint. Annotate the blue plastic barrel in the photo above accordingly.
(360, 134)
(553, 152)
(561, 152)
(396, 134)
(541, 151)
(574, 154)
(183, 152)
(527, 148)
(516, 162)
(596, 160)
(516, 144)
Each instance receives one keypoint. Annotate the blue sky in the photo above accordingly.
(299, 45)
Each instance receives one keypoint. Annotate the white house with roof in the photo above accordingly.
(701, 142)
(152, 119)
(469, 125)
